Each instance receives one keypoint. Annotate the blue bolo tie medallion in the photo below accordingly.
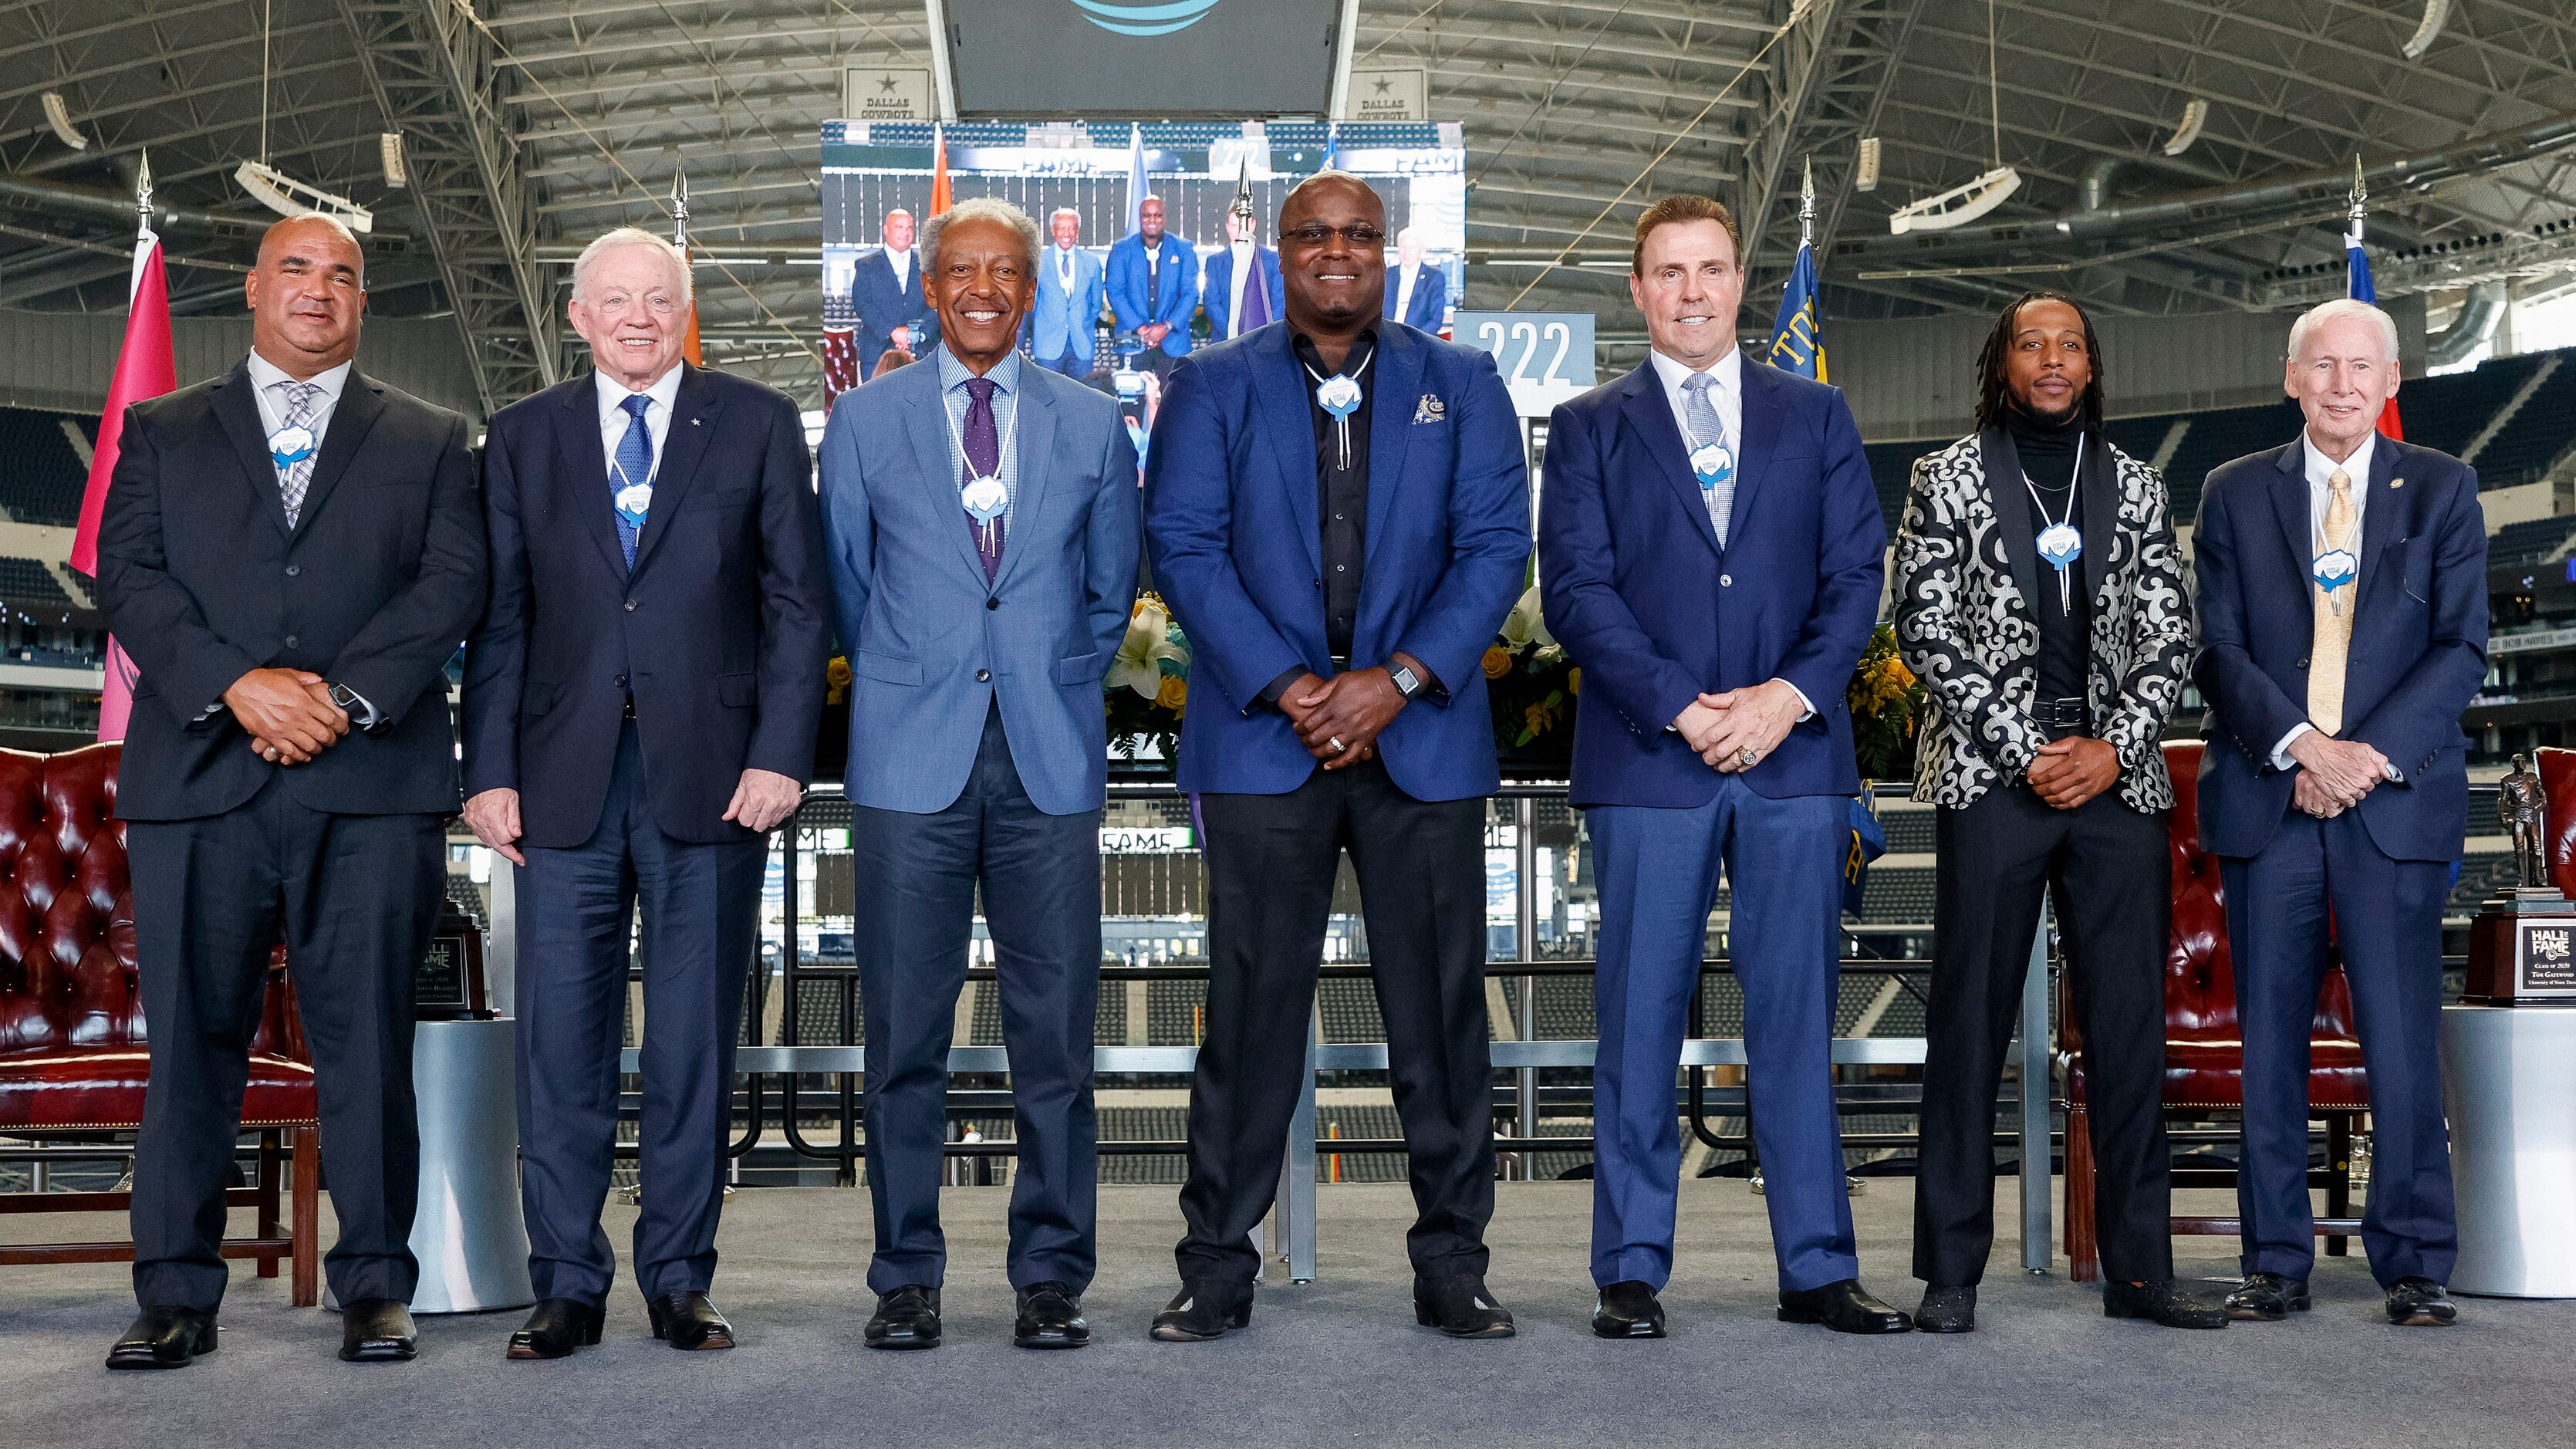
(984, 498)
(634, 504)
(2333, 570)
(2061, 544)
(290, 445)
(1339, 396)
(1712, 464)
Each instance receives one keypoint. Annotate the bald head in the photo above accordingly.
(306, 295)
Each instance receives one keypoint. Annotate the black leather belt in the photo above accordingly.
(2062, 717)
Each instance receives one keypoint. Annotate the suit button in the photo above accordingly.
(621, 681)
(1726, 581)
(2303, 663)
(630, 606)
(992, 603)
(293, 642)
(294, 569)
(983, 676)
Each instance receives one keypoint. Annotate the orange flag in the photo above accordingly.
(939, 198)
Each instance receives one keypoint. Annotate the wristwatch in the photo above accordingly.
(353, 705)
(1407, 683)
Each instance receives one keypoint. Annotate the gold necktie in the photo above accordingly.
(2333, 638)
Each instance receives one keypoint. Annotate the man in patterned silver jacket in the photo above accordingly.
(2040, 596)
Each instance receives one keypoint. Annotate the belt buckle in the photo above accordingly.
(2064, 713)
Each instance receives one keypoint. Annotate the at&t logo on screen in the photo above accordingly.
(1145, 17)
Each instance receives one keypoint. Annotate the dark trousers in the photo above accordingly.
(700, 922)
(2387, 920)
(354, 897)
(1271, 860)
(1658, 872)
(1040, 875)
(2109, 869)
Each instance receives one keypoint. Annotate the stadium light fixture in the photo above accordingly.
(1865, 171)
(389, 150)
(2194, 116)
(287, 196)
(1957, 206)
(2437, 13)
(58, 114)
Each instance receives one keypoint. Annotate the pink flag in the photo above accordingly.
(144, 369)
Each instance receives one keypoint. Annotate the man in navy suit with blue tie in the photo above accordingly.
(639, 704)
(982, 524)
(1710, 552)
(1339, 514)
(1070, 292)
(2341, 581)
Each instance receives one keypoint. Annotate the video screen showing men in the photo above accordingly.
(1417, 290)
(1061, 333)
(1154, 287)
(887, 287)
(1242, 290)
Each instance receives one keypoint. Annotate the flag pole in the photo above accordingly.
(1807, 203)
(689, 345)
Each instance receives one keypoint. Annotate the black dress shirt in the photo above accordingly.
(1341, 492)
(2065, 633)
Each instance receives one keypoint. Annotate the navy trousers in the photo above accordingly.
(917, 879)
(2388, 926)
(1658, 875)
(700, 923)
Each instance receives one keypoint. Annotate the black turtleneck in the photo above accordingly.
(2047, 450)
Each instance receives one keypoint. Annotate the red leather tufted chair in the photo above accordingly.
(73, 1059)
(2557, 769)
(2204, 1059)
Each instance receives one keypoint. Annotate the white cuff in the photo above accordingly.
(1802, 699)
(2281, 752)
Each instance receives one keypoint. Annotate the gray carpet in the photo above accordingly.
(1336, 1362)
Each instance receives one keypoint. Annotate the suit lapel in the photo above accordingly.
(1287, 438)
(362, 401)
(684, 447)
(1033, 423)
(1758, 421)
(585, 468)
(1399, 373)
(2290, 506)
(2005, 493)
(2383, 517)
(238, 410)
(2100, 495)
(925, 416)
(1652, 419)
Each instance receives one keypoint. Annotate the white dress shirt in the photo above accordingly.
(1728, 398)
(614, 419)
(269, 383)
(901, 262)
(1404, 291)
(1064, 268)
(2321, 471)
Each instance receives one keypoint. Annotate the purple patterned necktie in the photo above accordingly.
(983, 460)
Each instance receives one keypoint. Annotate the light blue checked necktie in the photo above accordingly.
(634, 465)
(1700, 416)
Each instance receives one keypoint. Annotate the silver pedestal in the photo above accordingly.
(2509, 1089)
(468, 1234)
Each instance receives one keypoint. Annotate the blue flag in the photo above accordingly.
(1798, 334)
(1868, 843)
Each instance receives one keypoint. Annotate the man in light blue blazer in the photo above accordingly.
(981, 521)
(1070, 294)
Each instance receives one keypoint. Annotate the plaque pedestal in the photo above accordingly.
(2509, 1089)
(2522, 950)
(468, 1234)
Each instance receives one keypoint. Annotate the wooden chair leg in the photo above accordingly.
(306, 1285)
(2082, 1261)
(272, 1163)
(2338, 1178)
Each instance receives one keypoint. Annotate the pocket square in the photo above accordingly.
(1430, 410)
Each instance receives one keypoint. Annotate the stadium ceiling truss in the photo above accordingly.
(530, 125)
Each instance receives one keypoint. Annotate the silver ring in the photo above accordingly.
(1336, 743)
(1746, 756)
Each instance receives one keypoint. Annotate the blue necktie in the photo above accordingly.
(634, 465)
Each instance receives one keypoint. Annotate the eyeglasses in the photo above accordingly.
(1315, 234)
(617, 304)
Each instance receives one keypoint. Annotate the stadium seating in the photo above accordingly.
(41, 475)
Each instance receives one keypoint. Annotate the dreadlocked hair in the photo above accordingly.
(1994, 390)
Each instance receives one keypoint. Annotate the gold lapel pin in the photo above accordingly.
(2396, 482)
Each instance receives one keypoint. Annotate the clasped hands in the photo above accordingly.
(1723, 727)
(2334, 774)
(288, 712)
(1338, 719)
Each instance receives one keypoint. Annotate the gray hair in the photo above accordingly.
(628, 236)
(1063, 211)
(982, 208)
(2342, 307)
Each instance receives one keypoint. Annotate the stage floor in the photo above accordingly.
(1339, 1361)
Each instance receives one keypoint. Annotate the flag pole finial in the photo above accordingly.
(1242, 208)
(2360, 196)
(143, 194)
(680, 208)
(1807, 202)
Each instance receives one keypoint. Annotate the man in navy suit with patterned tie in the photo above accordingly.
(1710, 553)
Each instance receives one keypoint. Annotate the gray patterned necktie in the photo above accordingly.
(1700, 415)
(292, 479)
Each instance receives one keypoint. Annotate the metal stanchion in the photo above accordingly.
(1525, 945)
(2037, 1250)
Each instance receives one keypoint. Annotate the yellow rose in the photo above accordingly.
(836, 680)
(1498, 662)
(1174, 694)
(1574, 681)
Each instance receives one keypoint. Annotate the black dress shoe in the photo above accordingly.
(556, 1328)
(377, 1330)
(1458, 1305)
(1205, 1308)
(1844, 1307)
(1628, 1309)
(164, 1338)
(908, 1317)
(2421, 1303)
(2267, 1298)
(689, 1321)
(1947, 1310)
(1050, 1316)
(2165, 1303)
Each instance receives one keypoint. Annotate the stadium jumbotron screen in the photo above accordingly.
(1192, 58)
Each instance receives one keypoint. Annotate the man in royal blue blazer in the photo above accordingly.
(1710, 553)
(639, 704)
(1338, 513)
(981, 516)
(2341, 580)
(887, 287)
(1154, 287)
(1070, 292)
(1261, 297)
(1417, 292)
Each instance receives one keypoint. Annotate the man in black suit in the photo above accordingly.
(894, 312)
(290, 553)
(640, 705)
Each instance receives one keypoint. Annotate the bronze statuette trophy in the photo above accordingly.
(2522, 944)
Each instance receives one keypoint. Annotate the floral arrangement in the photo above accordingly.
(1148, 683)
(1531, 684)
(1886, 703)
